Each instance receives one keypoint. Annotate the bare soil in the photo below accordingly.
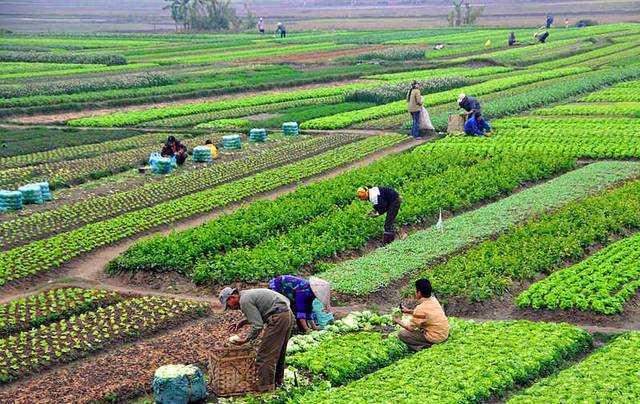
(122, 372)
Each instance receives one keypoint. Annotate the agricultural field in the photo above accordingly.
(529, 235)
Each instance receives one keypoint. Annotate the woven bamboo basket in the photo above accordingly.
(232, 370)
(456, 123)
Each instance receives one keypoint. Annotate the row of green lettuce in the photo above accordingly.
(382, 266)
(43, 255)
(296, 230)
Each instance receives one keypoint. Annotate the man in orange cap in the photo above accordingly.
(384, 200)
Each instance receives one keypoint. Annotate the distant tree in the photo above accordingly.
(463, 13)
(178, 12)
(215, 15)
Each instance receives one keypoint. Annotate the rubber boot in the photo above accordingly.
(388, 238)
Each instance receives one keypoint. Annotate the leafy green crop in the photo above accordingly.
(478, 363)
(42, 255)
(602, 283)
(610, 375)
(350, 356)
(377, 269)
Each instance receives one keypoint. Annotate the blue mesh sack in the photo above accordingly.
(31, 194)
(178, 384)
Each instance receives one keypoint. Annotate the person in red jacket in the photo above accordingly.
(384, 200)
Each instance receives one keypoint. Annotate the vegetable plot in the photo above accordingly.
(379, 268)
(67, 340)
(260, 220)
(50, 306)
(346, 119)
(610, 375)
(50, 253)
(539, 246)
(630, 109)
(602, 283)
(40, 224)
(136, 117)
(350, 356)
(350, 227)
(479, 363)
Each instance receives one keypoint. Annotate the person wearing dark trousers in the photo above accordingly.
(269, 314)
(281, 30)
(414, 103)
(384, 200)
(549, 21)
(512, 39)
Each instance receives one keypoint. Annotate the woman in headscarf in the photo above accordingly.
(173, 148)
(414, 103)
(301, 294)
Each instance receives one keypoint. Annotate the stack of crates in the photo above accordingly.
(10, 200)
(290, 129)
(202, 154)
(31, 194)
(257, 135)
(46, 191)
(232, 142)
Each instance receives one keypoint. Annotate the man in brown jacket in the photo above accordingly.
(268, 310)
(428, 325)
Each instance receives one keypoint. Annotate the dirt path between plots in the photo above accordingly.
(89, 268)
(65, 116)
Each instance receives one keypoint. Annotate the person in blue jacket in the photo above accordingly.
(476, 126)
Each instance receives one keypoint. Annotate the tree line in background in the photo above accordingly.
(220, 15)
(464, 13)
(214, 15)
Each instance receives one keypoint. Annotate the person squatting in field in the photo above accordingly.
(384, 200)
(268, 313)
(476, 126)
(174, 148)
(429, 325)
(302, 294)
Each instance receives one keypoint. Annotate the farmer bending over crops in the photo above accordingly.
(542, 35)
(301, 294)
(384, 200)
(428, 325)
(173, 148)
(268, 310)
(476, 126)
(512, 39)
(470, 104)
